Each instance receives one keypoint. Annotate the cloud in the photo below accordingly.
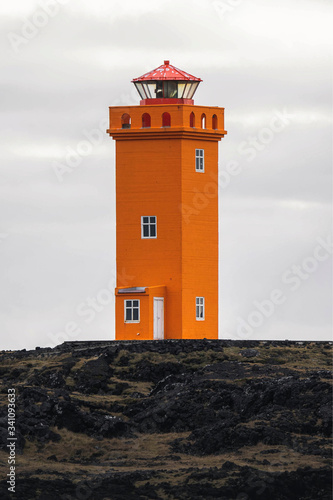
(256, 60)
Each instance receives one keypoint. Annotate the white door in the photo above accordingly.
(158, 318)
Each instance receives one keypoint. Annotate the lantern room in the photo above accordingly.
(166, 85)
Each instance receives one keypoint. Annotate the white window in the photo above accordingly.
(148, 226)
(199, 160)
(200, 308)
(132, 311)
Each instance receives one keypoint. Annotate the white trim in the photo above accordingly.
(200, 302)
(125, 309)
(148, 224)
(200, 157)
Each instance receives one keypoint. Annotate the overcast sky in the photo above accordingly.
(64, 62)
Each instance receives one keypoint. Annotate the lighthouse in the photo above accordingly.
(167, 227)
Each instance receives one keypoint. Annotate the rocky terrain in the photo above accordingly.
(228, 420)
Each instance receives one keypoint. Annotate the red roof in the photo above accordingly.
(167, 72)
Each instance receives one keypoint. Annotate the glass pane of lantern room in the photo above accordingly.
(151, 90)
(193, 88)
(171, 90)
(140, 89)
(159, 90)
(181, 88)
(146, 90)
(187, 89)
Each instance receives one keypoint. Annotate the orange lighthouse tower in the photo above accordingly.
(167, 210)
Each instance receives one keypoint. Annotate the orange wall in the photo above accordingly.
(148, 182)
(155, 175)
(130, 331)
(200, 239)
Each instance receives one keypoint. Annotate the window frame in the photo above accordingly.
(131, 308)
(200, 303)
(149, 224)
(198, 159)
